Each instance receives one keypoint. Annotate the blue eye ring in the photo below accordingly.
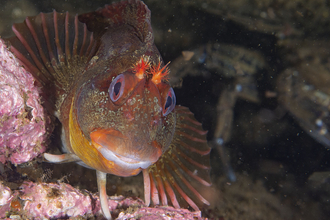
(170, 102)
(116, 88)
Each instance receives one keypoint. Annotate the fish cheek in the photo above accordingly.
(93, 109)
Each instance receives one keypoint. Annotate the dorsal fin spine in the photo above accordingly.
(28, 48)
(75, 43)
(90, 46)
(57, 40)
(37, 42)
(49, 45)
(47, 37)
(67, 45)
(84, 41)
(42, 79)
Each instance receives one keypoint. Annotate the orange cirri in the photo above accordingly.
(105, 80)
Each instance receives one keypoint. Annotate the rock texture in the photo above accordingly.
(23, 124)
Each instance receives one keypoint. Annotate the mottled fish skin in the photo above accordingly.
(105, 80)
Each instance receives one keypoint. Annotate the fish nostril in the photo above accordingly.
(129, 115)
(154, 122)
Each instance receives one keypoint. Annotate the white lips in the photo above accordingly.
(123, 161)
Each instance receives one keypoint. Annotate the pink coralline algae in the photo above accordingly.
(160, 213)
(5, 199)
(23, 123)
(53, 201)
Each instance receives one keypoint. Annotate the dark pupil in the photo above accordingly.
(116, 88)
(168, 102)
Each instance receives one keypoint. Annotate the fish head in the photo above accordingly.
(130, 119)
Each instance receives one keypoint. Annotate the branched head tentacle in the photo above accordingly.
(151, 71)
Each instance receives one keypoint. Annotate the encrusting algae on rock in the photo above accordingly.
(24, 126)
(61, 200)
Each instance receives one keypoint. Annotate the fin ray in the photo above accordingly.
(180, 191)
(171, 194)
(161, 190)
(49, 45)
(183, 170)
(184, 180)
(154, 191)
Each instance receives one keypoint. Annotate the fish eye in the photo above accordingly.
(116, 88)
(170, 102)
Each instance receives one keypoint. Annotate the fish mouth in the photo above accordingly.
(116, 147)
(122, 161)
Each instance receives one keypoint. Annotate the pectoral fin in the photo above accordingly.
(182, 173)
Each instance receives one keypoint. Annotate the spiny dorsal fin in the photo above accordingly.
(132, 12)
(184, 169)
(53, 47)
